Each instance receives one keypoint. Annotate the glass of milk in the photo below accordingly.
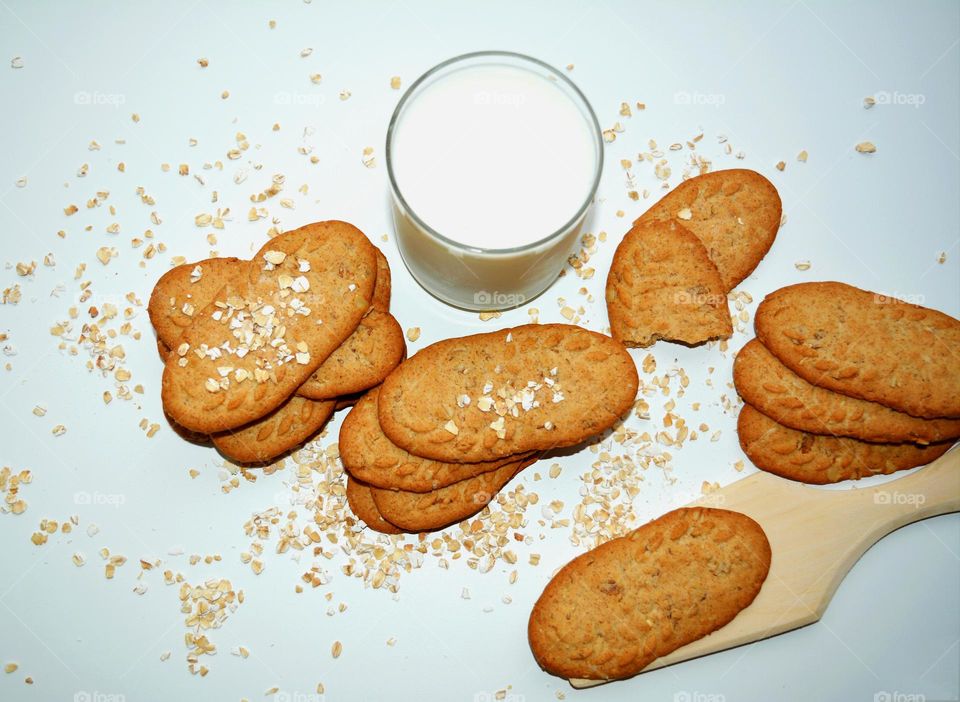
(494, 159)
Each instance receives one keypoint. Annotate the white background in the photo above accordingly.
(774, 78)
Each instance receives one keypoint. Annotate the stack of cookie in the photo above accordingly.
(258, 354)
(671, 273)
(453, 424)
(842, 383)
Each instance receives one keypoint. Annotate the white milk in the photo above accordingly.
(494, 157)
(499, 157)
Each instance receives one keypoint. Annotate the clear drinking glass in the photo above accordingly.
(477, 278)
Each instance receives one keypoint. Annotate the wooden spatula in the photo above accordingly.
(816, 536)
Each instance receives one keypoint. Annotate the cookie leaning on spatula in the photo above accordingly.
(612, 611)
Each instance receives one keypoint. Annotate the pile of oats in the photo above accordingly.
(10, 482)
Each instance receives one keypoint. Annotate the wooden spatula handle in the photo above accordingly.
(928, 492)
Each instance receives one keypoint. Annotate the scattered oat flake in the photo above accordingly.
(487, 316)
(685, 214)
(413, 333)
(395, 82)
(16, 62)
(942, 258)
(869, 102)
(345, 94)
(802, 156)
(866, 147)
(337, 649)
(59, 430)
(802, 265)
(781, 165)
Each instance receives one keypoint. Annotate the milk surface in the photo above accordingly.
(494, 156)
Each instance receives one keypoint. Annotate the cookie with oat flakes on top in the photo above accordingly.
(487, 396)
(184, 291)
(368, 455)
(264, 335)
